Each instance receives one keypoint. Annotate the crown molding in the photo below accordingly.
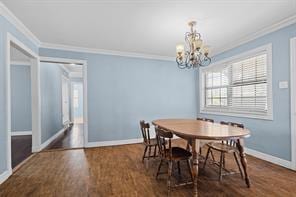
(279, 25)
(104, 52)
(6, 13)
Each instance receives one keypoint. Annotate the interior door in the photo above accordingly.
(65, 100)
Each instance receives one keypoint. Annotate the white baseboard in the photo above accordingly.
(47, 142)
(118, 142)
(270, 158)
(113, 143)
(18, 133)
(5, 175)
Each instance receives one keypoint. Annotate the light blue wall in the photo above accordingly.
(123, 90)
(270, 137)
(51, 100)
(5, 27)
(21, 110)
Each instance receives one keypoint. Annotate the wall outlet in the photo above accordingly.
(283, 84)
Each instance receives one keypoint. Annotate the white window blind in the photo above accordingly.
(239, 86)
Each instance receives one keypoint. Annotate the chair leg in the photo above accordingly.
(208, 152)
(170, 168)
(224, 161)
(221, 165)
(149, 152)
(212, 154)
(144, 154)
(238, 164)
(155, 147)
(190, 168)
(188, 146)
(179, 168)
(159, 167)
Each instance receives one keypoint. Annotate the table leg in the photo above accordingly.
(195, 150)
(240, 146)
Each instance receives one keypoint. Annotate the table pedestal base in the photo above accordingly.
(195, 151)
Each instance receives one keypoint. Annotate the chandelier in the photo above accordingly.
(196, 54)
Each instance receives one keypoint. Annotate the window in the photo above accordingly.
(240, 86)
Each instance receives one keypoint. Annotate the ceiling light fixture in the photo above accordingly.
(195, 54)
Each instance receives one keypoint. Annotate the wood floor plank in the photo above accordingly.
(118, 171)
(71, 138)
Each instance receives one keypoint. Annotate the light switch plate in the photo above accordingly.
(283, 84)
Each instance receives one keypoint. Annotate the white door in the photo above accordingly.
(77, 102)
(65, 100)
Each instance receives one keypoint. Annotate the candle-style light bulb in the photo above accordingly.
(206, 50)
(180, 48)
(198, 43)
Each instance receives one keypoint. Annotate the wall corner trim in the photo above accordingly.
(293, 98)
(270, 158)
(51, 139)
(5, 175)
(6, 13)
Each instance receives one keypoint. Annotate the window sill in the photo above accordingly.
(238, 115)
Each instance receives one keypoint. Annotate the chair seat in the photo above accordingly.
(153, 142)
(179, 153)
(222, 147)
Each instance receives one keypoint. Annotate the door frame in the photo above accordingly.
(293, 100)
(35, 96)
(84, 81)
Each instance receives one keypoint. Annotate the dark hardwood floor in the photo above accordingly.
(119, 171)
(72, 138)
(21, 148)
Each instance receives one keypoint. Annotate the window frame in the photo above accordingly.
(220, 64)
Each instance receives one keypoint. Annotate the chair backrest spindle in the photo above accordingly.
(205, 119)
(231, 142)
(163, 136)
(145, 131)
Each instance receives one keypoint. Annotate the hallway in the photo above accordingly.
(72, 138)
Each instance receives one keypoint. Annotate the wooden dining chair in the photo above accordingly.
(205, 119)
(189, 143)
(171, 155)
(150, 143)
(223, 147)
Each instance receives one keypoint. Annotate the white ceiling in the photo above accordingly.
(146, 26)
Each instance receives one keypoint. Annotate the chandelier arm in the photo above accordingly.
(187, 43)
(181, 65)
(198, 35)
(206, 61)
(187, 57)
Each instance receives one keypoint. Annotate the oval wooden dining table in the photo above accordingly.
(197, 130)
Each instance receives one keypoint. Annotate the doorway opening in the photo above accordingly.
(73, 112)
(23, 104)
(21, 108)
